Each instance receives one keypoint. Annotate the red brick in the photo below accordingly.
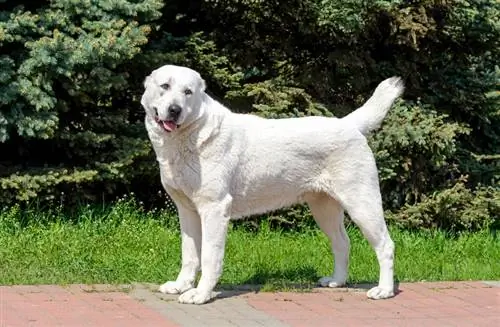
(320, 309)
(420, 304)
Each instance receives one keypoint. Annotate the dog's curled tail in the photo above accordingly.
(369, 117)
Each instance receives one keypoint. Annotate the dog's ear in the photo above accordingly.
(147, 81)
(202, 85)
(146, 95)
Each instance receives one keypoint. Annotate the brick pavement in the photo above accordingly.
(432, 304)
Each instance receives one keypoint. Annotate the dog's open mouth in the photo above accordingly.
(167, 125)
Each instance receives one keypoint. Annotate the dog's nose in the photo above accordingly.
(174, 110)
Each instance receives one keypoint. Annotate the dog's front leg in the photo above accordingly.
(214, 223)
(191, 248)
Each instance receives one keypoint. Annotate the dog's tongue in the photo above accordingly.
(169, 125)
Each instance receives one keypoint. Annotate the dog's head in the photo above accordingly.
(173, 96)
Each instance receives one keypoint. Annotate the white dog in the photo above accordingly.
(217, 165)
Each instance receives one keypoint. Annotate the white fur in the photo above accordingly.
(218, 165)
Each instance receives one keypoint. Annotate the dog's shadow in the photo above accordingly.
(275, 281)
(267, 281)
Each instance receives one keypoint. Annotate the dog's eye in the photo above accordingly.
(165, 86)
(188, 92)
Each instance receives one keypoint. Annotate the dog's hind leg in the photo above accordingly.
(354, 183)
(369, 217)
(363, 202)
(329, 215)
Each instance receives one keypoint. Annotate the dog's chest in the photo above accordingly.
(169, 175)
(180, 170)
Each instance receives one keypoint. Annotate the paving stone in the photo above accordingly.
(140, 304)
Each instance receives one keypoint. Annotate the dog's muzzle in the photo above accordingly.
(169, 124)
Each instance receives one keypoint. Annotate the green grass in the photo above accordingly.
(126, 245)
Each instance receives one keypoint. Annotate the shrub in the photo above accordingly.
(71, 75)
(68, 118)
(457, 208)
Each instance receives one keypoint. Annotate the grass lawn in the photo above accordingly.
(126, 245)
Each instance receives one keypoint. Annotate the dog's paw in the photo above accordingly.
(329, 281)
(175, 287)
(195, 296)
(378, 293)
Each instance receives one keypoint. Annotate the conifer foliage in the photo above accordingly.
(71, 75)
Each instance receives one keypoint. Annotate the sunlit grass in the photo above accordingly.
(125, 245)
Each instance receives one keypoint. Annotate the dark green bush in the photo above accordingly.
(71, 75)
(457, 208)
(69, 119)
